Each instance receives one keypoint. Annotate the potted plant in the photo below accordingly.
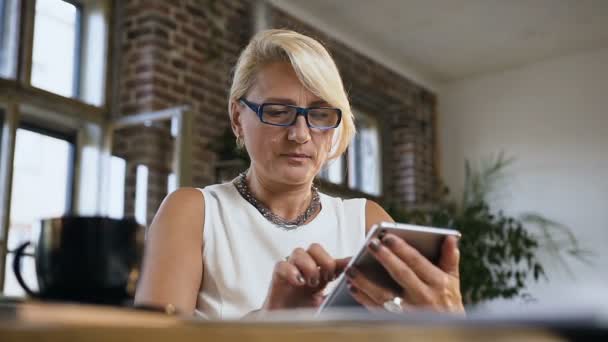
(498, 252)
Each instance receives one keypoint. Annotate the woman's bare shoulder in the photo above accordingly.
(374, 213)
(185, 199)
(184, 207)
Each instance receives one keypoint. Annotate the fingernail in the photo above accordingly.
(374, 245)
(314, 282)
(388, 241)
(300, 279)
(351, 272)
(381, 234)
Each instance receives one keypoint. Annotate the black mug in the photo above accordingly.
(85, 259)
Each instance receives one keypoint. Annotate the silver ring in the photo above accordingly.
(394, 305)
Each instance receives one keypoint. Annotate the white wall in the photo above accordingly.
(553, 117)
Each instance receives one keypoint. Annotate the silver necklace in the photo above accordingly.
(241, 186)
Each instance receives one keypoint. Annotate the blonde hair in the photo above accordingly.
(313, 66)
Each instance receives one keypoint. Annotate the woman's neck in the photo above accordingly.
(285, 200)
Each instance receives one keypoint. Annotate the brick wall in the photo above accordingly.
(175, 53)
(181, 53)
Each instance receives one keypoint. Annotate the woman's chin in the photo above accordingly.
(297, 174)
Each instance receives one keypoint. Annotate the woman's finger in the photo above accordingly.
(323, 260)
(306, 265)
(399, 270)
(341, 265)
(450, 257)
(423, 267)
(377, 293)
(362, 298)
(289, 273)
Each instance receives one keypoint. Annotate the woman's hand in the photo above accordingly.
(424, 284)
(299, 281)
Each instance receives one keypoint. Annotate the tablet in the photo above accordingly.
(426, 240)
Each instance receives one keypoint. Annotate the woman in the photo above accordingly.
(268, 240)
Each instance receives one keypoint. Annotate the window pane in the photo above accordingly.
(141, 194)
(365, 160)
(1, 124)
(9, 27)
(171, 183)
(334, 171)
(54, 52)
(118, 169)
(41, 188)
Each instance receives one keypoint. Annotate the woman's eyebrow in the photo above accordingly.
(292, 102)
(279, 100)
(319, 103)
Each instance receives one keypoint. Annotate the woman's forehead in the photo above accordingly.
(278, 81)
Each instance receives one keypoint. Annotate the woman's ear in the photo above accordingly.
(235, 120)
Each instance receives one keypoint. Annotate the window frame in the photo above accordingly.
(3, 4)
(29, 107)
(78, 51)
(358, 162)
(25, 53)
(343, 188)
(68, 136)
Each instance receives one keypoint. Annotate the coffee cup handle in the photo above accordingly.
(19, 252)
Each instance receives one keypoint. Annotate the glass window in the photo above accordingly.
(118, 169)
(141, 194)
(171, 183)
(334, 171)
(9, 27)
(364, 157)
(41, 188)
(1, 124)
(55, 54)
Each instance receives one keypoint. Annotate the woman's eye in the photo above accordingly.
(276, 113)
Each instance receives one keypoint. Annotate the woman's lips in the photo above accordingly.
(296, 156)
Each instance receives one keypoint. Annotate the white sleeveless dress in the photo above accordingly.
(241, 247)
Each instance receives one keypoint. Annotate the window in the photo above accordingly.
(171, 183)
(62, 49)
(364, 157)
(42, 188)
(56, 48)
(9, 24)
(334, 171)
(118, 172)
(1, 124)
(141, 194)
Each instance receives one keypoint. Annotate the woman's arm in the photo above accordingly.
(172, 267)
(374, 213)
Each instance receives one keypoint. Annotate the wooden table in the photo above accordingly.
(70, 322)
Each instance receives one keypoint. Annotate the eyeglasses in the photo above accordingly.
(279, 114)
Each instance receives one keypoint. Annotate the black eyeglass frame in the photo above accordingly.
(259, 110)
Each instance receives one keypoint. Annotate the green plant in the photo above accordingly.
(498, 252)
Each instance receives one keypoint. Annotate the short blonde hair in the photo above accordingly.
(313, 66)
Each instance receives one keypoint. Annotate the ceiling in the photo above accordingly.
(437, 41)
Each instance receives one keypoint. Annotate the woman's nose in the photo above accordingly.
(299, 131)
